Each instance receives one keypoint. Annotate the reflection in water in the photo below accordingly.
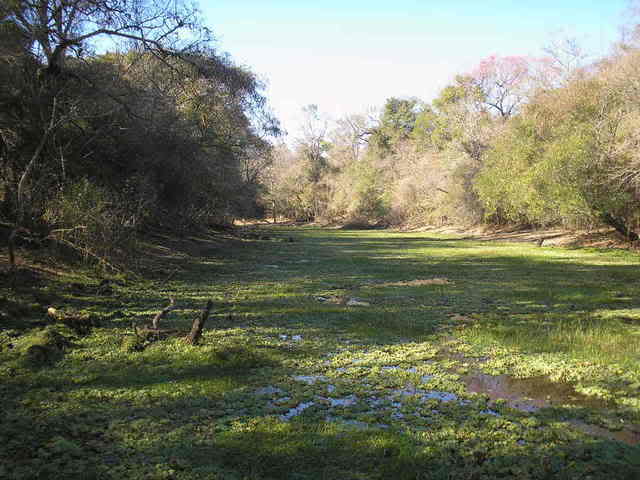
(531, 394)
(630, 435)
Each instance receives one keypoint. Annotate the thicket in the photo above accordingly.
(154, 129)
(519, 140)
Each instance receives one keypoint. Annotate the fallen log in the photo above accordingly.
(198, 324)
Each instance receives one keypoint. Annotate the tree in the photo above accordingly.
(312, 144)
(55, 28)
(502, 81)
(168, 133)
(350, 137)
(461, 120)
(396, 123)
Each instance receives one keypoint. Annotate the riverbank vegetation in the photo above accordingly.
(117, 117)
(547, 141)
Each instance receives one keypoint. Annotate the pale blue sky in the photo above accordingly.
(349, 55)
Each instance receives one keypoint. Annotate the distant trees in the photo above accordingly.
(537, 141)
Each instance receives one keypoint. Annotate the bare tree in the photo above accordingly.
(567, 56)
(501, 81)
(54, 28)
(351, 135)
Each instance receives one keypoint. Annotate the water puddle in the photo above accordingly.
(532, 394)
(423, 395)
(630, 435)
(310, 379)
(294, 412)
(529, 394)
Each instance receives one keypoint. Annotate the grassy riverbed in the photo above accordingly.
(342, 354)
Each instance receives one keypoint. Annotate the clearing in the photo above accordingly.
(340, 354)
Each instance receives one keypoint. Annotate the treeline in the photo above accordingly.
(531, 141)
(96, 146)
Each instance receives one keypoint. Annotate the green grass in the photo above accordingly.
(98, 410)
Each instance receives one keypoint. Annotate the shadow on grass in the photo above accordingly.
(199, 434)
(195, 438)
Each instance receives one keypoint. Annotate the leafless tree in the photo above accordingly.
(56, 28)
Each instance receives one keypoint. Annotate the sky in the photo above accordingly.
(348, 56)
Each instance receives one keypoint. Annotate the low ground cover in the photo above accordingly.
(341, 354)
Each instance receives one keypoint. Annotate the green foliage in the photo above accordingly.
(133, 343)
(42, 347)
(397, 121)
(563, 317)
(105, 145)
(550, 166)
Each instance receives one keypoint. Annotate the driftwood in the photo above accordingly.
(198, 324)
(144, 336)
(163, 313)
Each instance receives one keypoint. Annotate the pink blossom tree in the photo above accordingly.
(507, 82)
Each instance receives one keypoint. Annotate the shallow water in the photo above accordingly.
(529, 394)
(629, 435)
(532, 394)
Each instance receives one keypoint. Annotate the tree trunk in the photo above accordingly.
(11, 244)
(620, 226)
(198, 324)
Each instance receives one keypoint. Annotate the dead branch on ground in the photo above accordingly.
(163, 313)
(198, 324)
